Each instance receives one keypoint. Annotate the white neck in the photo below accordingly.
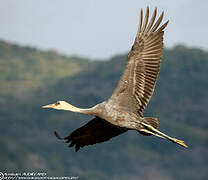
(68, 107)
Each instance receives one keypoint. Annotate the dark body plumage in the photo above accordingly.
(123, 110)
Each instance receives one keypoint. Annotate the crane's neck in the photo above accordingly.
(68, 107)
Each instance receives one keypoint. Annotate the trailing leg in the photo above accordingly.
(158, 133)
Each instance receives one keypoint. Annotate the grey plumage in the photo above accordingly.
(124, 109)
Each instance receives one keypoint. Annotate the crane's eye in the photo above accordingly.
(57, 103)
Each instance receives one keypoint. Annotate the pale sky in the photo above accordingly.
(95, 28)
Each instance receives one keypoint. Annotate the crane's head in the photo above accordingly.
(62, 105)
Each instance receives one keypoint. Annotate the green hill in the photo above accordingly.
(25, 68)
(179, 101)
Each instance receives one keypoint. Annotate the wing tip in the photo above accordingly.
(143, 25)
(147, 8)
(77, 147)
(57, 135)
(162, 27)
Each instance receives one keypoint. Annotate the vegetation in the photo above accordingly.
(25, 69)
(27, 141)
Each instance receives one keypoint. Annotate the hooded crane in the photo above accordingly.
(123, 111)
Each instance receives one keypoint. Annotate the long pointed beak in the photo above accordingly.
(49, 106)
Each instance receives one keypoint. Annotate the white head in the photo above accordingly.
(62, 105)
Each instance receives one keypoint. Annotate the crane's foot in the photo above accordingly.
(180, 142)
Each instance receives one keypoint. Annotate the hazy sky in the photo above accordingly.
(95, 28)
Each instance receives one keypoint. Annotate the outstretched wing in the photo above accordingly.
(95, 131)
(138, 81)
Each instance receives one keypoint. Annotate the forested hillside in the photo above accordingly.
(25, 68)
(180, 102)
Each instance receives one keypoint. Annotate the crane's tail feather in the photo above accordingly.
(150, 129)
(152, 121)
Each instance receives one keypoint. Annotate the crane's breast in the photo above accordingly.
(120, 116)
